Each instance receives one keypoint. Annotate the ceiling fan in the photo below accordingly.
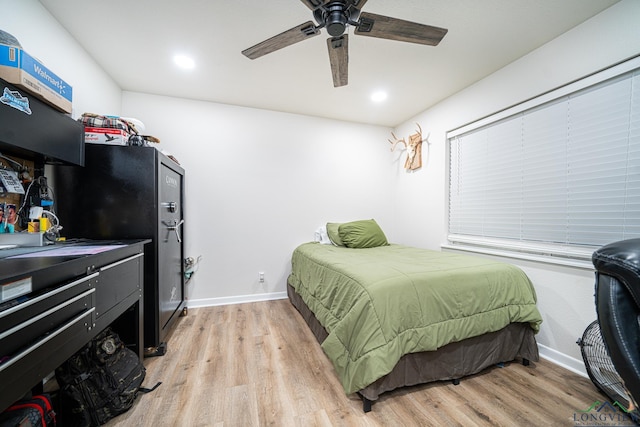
(335, 16)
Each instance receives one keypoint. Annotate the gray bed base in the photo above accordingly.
(451, 362)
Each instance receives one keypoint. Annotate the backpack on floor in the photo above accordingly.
(100, 381)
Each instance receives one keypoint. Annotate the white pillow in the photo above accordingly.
(321, 236)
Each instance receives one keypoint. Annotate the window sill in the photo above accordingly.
(547, 259)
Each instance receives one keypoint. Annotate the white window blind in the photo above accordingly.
(560, 178)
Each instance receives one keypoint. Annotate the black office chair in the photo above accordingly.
(618, 308)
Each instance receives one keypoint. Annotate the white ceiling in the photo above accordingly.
(134, 42)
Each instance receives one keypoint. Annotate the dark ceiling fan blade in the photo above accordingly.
(359, 4)
(339, 59)
(385, 27)
(314, 4)
(287, 38)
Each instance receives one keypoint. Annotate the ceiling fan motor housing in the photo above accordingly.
(335, 16)
(336, 23)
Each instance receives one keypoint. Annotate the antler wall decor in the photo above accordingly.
(413, 147)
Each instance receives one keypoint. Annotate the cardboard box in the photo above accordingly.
(107, 136)
(21, 69)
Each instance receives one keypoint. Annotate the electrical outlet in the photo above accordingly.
(261, 276)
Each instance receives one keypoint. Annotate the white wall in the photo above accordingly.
(258, 183)
(45, 39)
(565, 295)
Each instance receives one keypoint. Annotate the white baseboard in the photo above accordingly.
(241, 299)
(567, 362)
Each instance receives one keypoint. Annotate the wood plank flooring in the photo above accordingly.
(257, 364)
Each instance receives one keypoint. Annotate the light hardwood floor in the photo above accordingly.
(257, 364)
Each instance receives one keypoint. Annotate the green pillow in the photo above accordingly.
(334, 236)
(362, 234)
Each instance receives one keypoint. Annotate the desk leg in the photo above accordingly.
(139, 328)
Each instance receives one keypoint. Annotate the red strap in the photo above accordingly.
(47, 402)
(49, 409)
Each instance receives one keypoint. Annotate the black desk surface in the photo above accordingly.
(52, 264)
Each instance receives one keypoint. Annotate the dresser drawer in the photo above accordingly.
(38, 358)
(25, 323)
(117, 281)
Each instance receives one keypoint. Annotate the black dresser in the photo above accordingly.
(57, 298)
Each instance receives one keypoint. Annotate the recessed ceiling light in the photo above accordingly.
(184, 62)
(379, 96)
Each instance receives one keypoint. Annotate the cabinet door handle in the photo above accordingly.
(47, 295)
(174, 227)
(45, 313)
(122, 261)
(45, 339)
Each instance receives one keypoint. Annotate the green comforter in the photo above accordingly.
(378, 304)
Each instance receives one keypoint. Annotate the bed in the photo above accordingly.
(389, 315)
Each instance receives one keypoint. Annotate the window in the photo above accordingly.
(556, 176)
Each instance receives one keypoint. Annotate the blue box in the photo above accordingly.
(21, 69)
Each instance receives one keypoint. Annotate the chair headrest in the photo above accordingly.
(622, 261)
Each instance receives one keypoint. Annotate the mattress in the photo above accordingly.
(380, 304)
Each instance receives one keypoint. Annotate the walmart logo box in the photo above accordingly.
(21, 69)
